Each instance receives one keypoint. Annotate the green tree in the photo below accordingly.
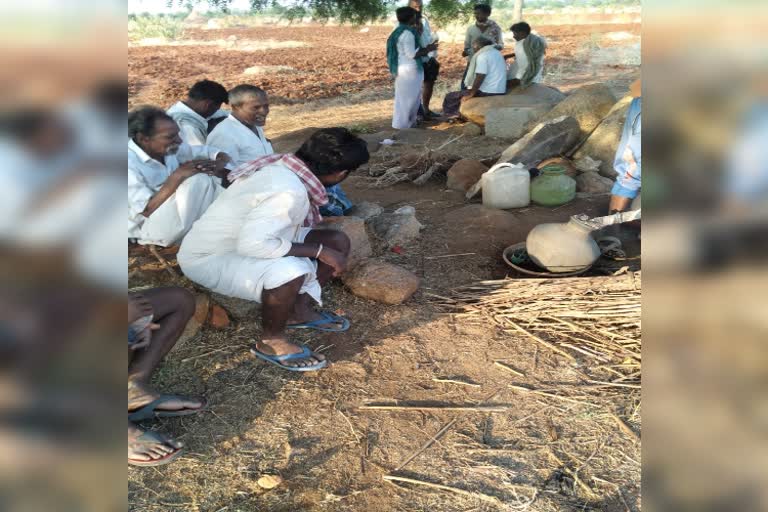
(355, 11)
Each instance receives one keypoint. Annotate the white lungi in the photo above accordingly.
(174, 218)
(238, 248)
(408, 84)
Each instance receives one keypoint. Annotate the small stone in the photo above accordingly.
(382, 282)
(366, 211)
(269, 481)
(354, 228)
(465, 173)
(473, 130)
(398, 228)
(219, 317)
(592, 183)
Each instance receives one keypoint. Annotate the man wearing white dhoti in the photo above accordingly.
(202, 105)
(528, 67)
(404, 58)
(241, 135)
(257, 242)
(170, 183)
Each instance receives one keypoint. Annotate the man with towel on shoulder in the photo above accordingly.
(529, 57)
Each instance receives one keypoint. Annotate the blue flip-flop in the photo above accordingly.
(327, 318)
(278, 360)
(152, 409)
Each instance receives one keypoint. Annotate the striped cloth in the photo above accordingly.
(315, 190)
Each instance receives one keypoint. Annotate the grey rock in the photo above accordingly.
(592, 183)
(354, 228)
(604, 141)
(472, 130)
(588, 105)
(548, 139)
(476, 109)
(398, 228)
(366, 211)
(511, 122)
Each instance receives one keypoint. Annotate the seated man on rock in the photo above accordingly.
(201, 107)
(156, 319)
(529, 53)
(486, 76)
(257, 242)
(170, 183)
(241, 135)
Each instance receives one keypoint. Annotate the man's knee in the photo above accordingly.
(184, 301)
(197, 183)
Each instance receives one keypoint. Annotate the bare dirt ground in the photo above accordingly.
(540, 454)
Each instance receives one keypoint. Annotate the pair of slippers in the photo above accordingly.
(338, 323)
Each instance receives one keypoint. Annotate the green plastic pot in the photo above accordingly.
(552, 187)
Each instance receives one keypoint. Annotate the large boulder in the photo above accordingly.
(604, 141)
(588, 105)
(398, 228)
(382, 282)
(465, 173)
(592, 183)
(536, 95)
(354, 228)
(548, 139)
(512, 122)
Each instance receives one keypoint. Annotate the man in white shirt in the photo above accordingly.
(241, 135)
(528, 67)
(431, 65)
(170, 183)
(202, 105)
(486, 76)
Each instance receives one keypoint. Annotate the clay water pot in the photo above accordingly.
(562, 247)
(552, 187)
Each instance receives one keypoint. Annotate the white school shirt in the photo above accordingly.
(146, 175)
(521, 59)
(239, 142)
(491, 64)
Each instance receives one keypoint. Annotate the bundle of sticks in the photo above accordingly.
(583, 317)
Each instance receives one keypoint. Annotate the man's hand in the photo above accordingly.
(222, 159)
(144, 338)
(467, 97)
(193, 167)
(465, 53)
(432, 47)
(334, 259)
(513, 83)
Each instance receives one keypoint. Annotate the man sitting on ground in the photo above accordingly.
(194, 114)
(257, 242)
(156, 319)
(486, 76)
(528, 67)
(241, 134)
(170, 183)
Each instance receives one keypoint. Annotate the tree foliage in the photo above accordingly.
(356, 11)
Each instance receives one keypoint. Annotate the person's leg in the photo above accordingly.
(277, 306)
(172, 309)
(150, 448)
(426, 97)
(619, 204)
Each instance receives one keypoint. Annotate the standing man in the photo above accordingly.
(404, 59)
(431, 65)
(241, 135)
(485, 27)
(201, 106)
(170, 183)
(528, 67)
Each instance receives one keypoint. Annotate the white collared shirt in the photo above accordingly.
(193, 126)
(427, 39)
(239, 142)
(491, 64)
(521, 59)
(146, 175)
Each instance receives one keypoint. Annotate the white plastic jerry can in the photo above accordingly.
(506, 186)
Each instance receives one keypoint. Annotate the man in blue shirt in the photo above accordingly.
(628, 157)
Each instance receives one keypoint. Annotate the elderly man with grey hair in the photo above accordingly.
(241, 135)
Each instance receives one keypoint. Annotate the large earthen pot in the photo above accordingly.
(562, 247)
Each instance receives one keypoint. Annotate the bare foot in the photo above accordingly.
(148, 447)
(304, 312)
(281, 347)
